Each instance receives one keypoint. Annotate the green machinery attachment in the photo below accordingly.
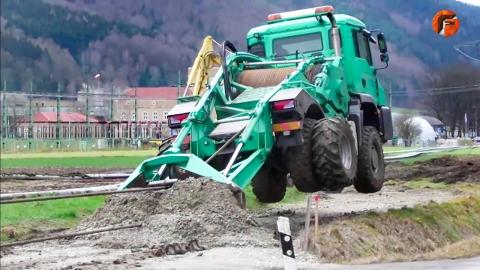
(303, 69)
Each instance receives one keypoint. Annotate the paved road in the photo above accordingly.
(267, 258)
(472, 263)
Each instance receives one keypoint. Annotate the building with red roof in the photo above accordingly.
(150, 103)
(153, 93)
(65, 117)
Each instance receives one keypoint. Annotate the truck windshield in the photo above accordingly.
(297, 44)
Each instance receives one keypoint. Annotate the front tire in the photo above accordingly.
(334, 154)
(371, 166)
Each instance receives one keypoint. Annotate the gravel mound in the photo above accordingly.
(193, 209)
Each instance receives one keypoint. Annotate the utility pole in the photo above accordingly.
(111, 103)
(14, 120)
(57, 134)
(179, 83)
(30, 112)
(136, 115)
(87, 113)
(110, 132)
(4, 111)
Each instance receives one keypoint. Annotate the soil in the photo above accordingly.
(194, 209)
(448, 169)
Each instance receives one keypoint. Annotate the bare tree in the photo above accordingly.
(455, 92)
(407, 129)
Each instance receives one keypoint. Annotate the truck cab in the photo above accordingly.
(315, 32)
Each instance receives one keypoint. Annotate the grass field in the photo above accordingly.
(387, 148)
(18, 221)
(112, 153)
(459, 152)
(93, 159)
(69, 162)
(291, 196)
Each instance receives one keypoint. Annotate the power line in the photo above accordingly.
(475, 43)
(73, 97)
(443, 88)
(437, 93)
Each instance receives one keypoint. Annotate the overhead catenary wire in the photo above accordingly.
(444, 88)
(105, 96)
(475, 43)
(413, 93)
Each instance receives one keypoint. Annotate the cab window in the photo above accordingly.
(257, 49)
(297, 45)
(362, 46)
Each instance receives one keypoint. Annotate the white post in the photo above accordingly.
(286, 241)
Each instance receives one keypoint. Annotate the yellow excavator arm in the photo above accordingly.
(206, 59)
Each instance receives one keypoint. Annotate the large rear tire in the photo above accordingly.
(269, 185)
(334, 153)
(371, 166)
(300, 161)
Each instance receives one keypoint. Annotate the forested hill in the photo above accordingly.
(146, 42)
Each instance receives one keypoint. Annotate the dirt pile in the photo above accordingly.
(193, 209)
(402, 234)
(448, 169)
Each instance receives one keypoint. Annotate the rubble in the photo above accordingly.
(193, 209)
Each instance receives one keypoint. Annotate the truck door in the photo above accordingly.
(363, 76)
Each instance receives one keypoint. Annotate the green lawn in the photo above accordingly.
(82, 162)
(291, 196)
(33, 217)
(112, 153)
(92, 159)
(459, 152)
(388, 148)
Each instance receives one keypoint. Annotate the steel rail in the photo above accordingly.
(20, 243)
(47, 198)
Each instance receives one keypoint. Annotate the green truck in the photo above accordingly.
(303, 103)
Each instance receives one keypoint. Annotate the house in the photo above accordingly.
(151, 103)
(72, 125)
(143, 111)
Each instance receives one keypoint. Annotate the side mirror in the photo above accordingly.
(384, 57)
(382, 47)
(382, 43)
